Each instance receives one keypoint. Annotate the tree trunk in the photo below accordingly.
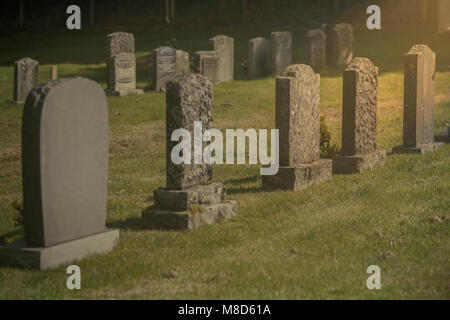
(21, 12)
(245, 10)
(336, 7)
(92, 13)
(172, 10)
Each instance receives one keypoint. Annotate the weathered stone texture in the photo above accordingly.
(122, 74)
(316, 49)
(164, 66)
(299, 177)
(188, 98)
(25, 78)
(418, 112)
(298, 121)
(224, 47)
(340, 44)
(182, 200)
(359, 163)
(119, 42)
(298, 115)
(183, 65)
(207, 63)
(173, 220)
(359, 124)
(258, 57)
(281, 51)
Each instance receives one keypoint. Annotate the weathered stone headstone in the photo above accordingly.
(316, 49)
(298, 121)
(281, 51)
(340, 45)
(258, 57)
(207, 64)
(54, 72)
(359, 119)
(65, 175)
(122, 75)
(443, 17)
(121, 64)
(164, 66)
(25, 78)
(224, 47)
(191, 199)
(167, 63)
(418, 109)
(183, 65)
(119, 42)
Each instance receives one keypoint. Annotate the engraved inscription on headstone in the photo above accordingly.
(164, 66)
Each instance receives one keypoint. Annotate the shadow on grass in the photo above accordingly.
(237, 186)
(100, 74)
(11, 236)
(132, 223)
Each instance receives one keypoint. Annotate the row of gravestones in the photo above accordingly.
(65, 153)
(273, 56)
(334, 49)
(265, 57)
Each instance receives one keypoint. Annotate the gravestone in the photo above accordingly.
(359, 119)
(418, 109)
(316, 49)
(65, 175)
(443, 17)
(183, 64)
(122, 75)
(164, 66)
(224, 47)
(191, 199)
(25, 78)
(167, 63)
(298, 121)
(281, 51)
(121, 64)
(119, 42)
(340, 45)
(258, 57)
(207, 63)
(54, 72)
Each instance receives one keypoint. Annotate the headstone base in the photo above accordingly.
(182, 200)
(41, 258)
(155, 218)
(422, 149)
(360, 163)
(300, 177)
(124, 93)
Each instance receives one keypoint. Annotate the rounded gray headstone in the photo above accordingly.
(65, 161)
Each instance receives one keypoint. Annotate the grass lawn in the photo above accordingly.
(311, 244)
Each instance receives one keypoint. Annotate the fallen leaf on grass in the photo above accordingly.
(388, 255)
(170, 274)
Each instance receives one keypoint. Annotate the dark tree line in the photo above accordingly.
(19, 15)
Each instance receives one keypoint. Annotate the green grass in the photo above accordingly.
(309, 244)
